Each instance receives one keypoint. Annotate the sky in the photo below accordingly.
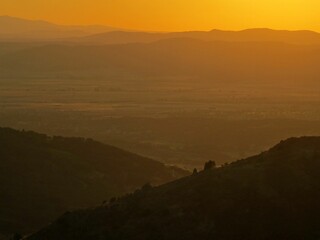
(172, 15)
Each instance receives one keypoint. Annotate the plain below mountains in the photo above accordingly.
(274, 195)
(42, 177)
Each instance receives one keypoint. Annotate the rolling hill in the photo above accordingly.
(225, 62)
(273, 195)
(42, 177)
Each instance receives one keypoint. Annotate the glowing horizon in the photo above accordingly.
(174, 15)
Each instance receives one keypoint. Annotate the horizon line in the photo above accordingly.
(124, 29)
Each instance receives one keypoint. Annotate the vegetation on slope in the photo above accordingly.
(273, 195)
(42, 177)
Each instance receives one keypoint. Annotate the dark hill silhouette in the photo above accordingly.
(274, 195)
(253, 62)
(248, 35)
(42, 177)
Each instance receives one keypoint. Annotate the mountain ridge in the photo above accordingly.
(15, 28)
(305, 37)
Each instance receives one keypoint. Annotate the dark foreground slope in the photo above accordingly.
(274, 195)
(42, 177)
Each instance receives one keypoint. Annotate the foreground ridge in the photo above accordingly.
(273, 195)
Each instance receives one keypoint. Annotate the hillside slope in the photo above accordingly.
(274, 195)
(42, 177)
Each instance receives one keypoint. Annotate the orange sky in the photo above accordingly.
(172, 15)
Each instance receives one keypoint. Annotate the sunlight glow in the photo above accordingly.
(172, 15)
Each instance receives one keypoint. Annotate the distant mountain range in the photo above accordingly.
(12, 28)
(249, 35)
(249, 56)
(42, 177)
(274, 195)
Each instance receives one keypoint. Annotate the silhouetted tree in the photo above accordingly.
(209, 165)
(146, 187)
(16, 236)
(195, 171)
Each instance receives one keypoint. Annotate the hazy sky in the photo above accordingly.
(169, 15)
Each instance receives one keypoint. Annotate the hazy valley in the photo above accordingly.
(130, 114)
(180, 101)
